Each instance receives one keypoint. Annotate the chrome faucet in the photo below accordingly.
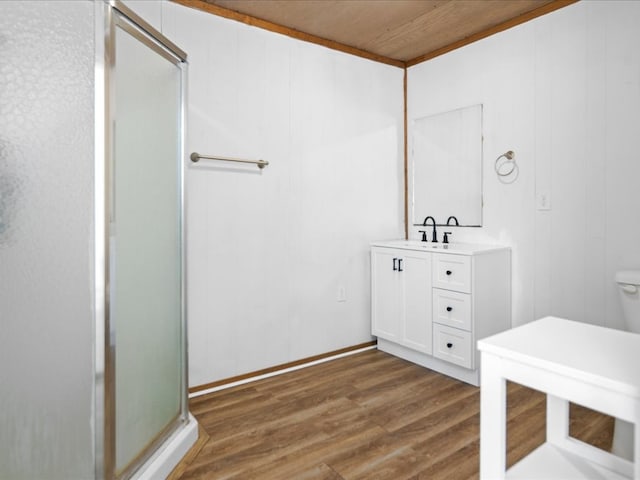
(434, 235)
(454, 219)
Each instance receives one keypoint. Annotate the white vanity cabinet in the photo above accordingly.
(399, 305)
(431, 303)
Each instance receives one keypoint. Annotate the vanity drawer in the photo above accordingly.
(452, 345)
(452, 272)
(452, 308)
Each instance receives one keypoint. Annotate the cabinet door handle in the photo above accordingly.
(449, 309)
(400, 265)
(394, 264)
(448, 272)
(449, 345)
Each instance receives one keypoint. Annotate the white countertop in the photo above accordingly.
(597, 355)
(457, 248)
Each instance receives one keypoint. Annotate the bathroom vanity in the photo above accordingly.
(431, 302)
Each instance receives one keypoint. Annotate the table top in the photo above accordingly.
(598, 355)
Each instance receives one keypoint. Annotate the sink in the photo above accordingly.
(426, 245)
(457, 248)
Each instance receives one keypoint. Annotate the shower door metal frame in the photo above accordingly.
(112, 14)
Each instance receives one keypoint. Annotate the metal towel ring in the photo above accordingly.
(509, 160)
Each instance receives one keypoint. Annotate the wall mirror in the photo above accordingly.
(445, 176)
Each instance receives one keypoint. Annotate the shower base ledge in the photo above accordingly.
(169, 455)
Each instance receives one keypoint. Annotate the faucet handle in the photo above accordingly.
(446, 237)
(424, 235)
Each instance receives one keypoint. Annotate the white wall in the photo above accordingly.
(269, 251)
(562, 91)
(149, 10)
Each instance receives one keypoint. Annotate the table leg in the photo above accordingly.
(636, 450)
(557, 420)
(493, 427)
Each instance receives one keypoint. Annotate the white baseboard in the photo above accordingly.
(279, 372)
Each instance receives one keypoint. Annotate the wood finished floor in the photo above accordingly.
(366, 416)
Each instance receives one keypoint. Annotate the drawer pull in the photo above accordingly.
(449, 345)
(394, 264)
(449, 309)
(449, 272)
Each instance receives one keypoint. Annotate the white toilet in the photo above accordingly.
(629, 290)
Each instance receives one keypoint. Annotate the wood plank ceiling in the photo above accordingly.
(398, 32)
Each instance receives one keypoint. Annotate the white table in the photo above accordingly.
(593, 366)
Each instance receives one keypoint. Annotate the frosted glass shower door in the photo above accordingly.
(145, 253)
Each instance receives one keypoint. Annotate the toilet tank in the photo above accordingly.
(629, 290)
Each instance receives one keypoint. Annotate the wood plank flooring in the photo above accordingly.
(366, 416)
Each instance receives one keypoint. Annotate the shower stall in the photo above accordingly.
(92, 319)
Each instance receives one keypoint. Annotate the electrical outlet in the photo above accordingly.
(342, 294)
(543, 201)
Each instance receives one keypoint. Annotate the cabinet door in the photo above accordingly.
(385, 294)
(416, 301)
